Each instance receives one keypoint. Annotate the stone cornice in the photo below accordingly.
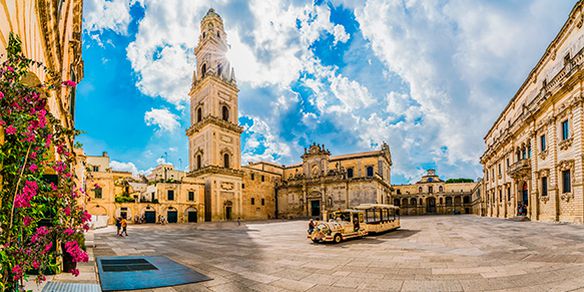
(212, 169)
(211, 120)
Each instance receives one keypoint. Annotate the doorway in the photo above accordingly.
(431, 205)
(192, 216)
(150, 216)
(172, 216)
(315, 209)
(228, 213)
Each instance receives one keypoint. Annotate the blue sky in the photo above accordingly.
(427, 77)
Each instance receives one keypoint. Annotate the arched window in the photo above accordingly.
(225, 113)
(204, 34)
(226, 160)
(199, 161)
(448, 201)
(199, 115)
(421, 202)
(413, 201)
(420, 189)
(204, 70)
(218, 35)
(396, 202)
(440, 189)
(219, 69)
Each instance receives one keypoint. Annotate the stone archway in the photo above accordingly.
(431, 205)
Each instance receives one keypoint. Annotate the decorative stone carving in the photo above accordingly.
(543, 154)
(544, 199)
(567, 197)
(566, 143)
(227, 186)
(543, 173)
(566, 164)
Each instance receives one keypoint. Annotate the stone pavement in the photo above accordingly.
(438, 253)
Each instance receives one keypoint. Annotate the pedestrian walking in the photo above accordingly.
(238, 221)
(124, 228)
(118, 225)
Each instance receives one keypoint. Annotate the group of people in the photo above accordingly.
(521, 209)
(121, 226)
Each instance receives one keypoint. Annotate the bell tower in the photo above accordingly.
(214, 134)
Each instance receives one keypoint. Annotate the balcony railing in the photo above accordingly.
(520, 168)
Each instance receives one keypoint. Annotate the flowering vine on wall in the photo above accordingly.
(40, 217)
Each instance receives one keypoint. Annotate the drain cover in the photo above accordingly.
(126, 265)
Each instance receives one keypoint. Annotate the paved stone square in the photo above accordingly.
(438, 253)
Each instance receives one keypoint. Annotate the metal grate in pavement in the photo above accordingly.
(126, 265)
(70, 287)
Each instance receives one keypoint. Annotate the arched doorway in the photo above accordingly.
(228, 210)
(524, 202)
(431, 205)
(192, 215)
(172, 215)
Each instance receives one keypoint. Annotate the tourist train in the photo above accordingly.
(354, 223)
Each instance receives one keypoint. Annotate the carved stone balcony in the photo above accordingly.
(520, 169)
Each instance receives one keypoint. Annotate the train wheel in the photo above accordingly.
(338, 238)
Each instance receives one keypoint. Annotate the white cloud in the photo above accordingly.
(124, 166)
(341, 36)
(162, 118)
(114, 15)
(274, 147)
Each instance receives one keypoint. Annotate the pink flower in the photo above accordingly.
(17, 271)
(9, 68)
(48, 247)
(53, 186)
(33, 167)
(86, 217)
(60, 167)
(26, 220)
(48, 142)
(67, 211)
(41, 231)
(69, 83)
(35, 264)
(10, 130)
(75, 272)
(1, 95)
(33, 155)
(69, 231)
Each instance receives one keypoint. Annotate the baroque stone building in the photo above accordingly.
(431, 195)
(264, 190)
(165, 192)
(533, 160)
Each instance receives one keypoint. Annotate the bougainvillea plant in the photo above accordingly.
(40, 214)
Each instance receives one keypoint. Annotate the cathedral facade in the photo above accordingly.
(264, 190)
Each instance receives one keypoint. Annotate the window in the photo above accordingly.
(500, 196)
(243, 186)
(466, 200)
(170, 195)
(500, 169)
(369, 171)
(199, 115)
(95, 168)
(565, 130)
(219, 66)
(263, 178)
(448, 201)
(253, 201)
(542, 142)
(204, 67)
(199, 161)
(507, 162)
(396, 202)
(252, 176)
(430, 190)
(529, 151)
(440, 189)
(419, 189)
(399, 192)
(225, 113)
(566, 59)
(350, 172)
(544, 186)
(97, 193)
(191, 196)
(263, 201)
(226, 160)
(508, 194)
(566, 183)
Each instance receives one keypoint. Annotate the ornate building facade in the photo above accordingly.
(166, 193)
(533, 161)
(432, 196)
